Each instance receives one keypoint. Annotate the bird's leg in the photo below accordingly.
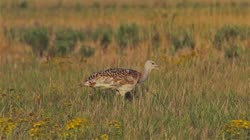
(136, 91)
(122, 93)
(117, 92)
(144, 89)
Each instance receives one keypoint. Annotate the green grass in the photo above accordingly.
(194, 100)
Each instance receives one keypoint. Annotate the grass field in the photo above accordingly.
(202, 90)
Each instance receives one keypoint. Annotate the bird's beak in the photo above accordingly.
(156, 67)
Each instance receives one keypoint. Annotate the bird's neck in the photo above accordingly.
(144, 75)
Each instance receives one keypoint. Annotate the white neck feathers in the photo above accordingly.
(145, 74)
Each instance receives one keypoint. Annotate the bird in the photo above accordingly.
(120, 79)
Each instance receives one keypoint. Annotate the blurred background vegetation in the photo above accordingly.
(64, 27)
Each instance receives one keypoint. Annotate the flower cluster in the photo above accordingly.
(77, 123)
(240, 124)
(104, 137)
(114, 123)
(115, 128)
(80, 128)
(7, 125)
(236, 129)
(38, 129)
(75, 126)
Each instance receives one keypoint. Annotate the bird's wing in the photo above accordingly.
(114, 77)
(127, 76)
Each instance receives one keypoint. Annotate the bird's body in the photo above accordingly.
(123, 80)
(119, 79)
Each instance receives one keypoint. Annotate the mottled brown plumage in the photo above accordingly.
(122, 80)
(117, 73)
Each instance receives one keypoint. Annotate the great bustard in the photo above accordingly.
(119, 79)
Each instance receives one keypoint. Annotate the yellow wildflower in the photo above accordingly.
(75, 126)
(104, 137)
(39, 128)
(240, 124)
(39, 124)
(7, 125)
(114, 123)
(34, 132)
(76, 123)
(236, 128)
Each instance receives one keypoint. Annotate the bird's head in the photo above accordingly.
(149, 65)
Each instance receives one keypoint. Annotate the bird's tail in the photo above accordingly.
(86, 83)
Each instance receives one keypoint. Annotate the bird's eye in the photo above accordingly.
(153, 63)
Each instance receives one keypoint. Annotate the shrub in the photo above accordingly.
(66, 40)
(188, 40)
(227, 34)
(105, 40)
(23, 4)
(37, 38)
(232, 51)
(78, 6)
(230, 38)
(17, 33)
(103, 35)
(127, 35)
(182, 39)
(176, 42)
(87, 51)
